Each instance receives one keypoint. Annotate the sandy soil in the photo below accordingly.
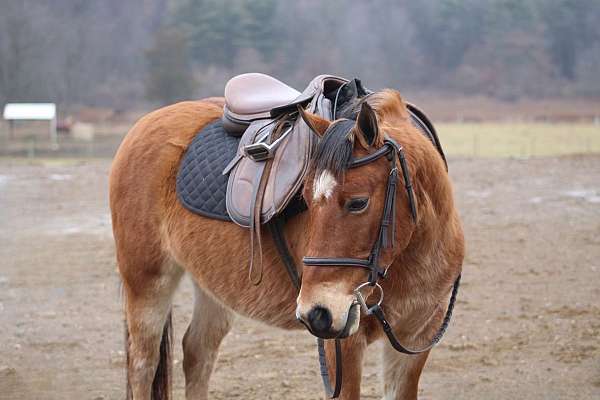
(527, 324)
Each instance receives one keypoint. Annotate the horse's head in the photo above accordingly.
(346, 206)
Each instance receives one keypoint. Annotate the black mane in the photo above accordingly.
(334, 150)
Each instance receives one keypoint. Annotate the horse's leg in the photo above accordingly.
(148, 293)
(401, 373)
(353, 349)
(210, 323)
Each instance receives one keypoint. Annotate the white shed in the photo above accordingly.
(32, 112)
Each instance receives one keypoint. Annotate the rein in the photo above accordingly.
(393, 151)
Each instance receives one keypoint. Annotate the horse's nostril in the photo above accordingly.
(319, 319)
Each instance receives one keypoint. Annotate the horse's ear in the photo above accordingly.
(315, 123)
(366, 125)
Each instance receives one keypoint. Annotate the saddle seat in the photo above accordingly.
(252, 96)
(256, 93)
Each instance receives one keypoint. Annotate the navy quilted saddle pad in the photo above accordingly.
(201, 187)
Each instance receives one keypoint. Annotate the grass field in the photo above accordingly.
(495, 139)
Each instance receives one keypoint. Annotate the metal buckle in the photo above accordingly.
(361, 299)
(261, 151)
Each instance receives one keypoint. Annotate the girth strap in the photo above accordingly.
(276, 226)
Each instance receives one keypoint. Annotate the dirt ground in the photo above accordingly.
(526, 326)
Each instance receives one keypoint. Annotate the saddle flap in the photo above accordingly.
(289, 165)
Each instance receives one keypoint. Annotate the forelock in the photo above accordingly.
(334, 150)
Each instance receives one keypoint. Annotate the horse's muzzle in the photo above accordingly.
(319, 322)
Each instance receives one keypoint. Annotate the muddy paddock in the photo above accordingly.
(526, 326)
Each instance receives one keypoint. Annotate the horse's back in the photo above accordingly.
(149, 139)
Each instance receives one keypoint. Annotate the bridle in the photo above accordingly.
(385, 239)
(387, 227)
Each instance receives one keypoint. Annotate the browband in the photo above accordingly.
(382, 151)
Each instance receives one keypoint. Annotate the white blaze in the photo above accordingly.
(323, 185)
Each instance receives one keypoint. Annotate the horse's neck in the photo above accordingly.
(425, 270)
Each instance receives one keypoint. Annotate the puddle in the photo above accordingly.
(4, 179)
(61, 177)
(591, 196)
(87, 224)
(480, 194)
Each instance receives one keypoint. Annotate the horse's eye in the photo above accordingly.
(357, 204)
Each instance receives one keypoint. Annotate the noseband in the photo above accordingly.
(385, 239)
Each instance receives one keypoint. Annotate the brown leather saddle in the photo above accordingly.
(273, 154)
(275, 147)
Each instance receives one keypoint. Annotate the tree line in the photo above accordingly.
(122, 54)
